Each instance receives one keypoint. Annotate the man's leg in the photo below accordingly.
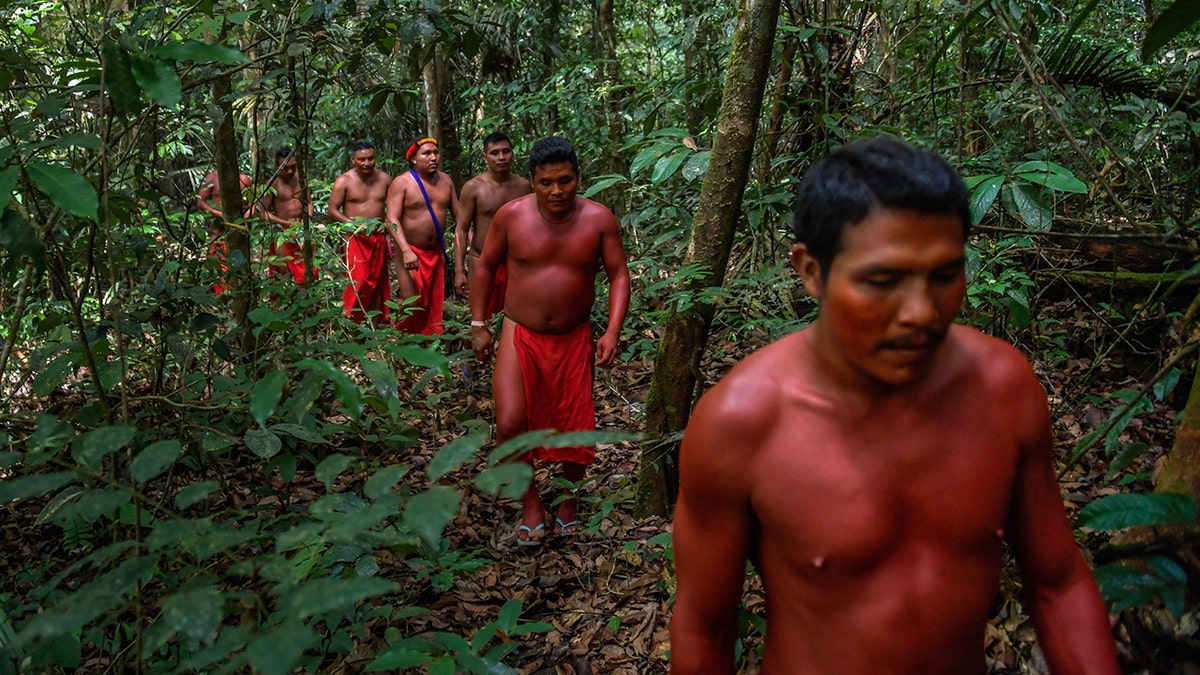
(508, 391)
(567, 519)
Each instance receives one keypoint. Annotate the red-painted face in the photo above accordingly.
(891, 294)
(555, 186)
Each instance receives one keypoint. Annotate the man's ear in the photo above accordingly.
(808, 268)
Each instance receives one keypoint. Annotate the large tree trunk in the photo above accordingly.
(604, 50)
(676, 368)
(237, 239)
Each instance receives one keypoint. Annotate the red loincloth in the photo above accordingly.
(216, 249)
(369, 287)
(430, 278)
(557, 370)
(499, 286)
(293, 255)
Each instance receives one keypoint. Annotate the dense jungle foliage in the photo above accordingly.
(253, 482)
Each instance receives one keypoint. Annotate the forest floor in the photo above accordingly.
(605, 592)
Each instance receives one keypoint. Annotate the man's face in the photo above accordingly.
(427, 158)
(555, 186)
(288, 170)
(364, 161)
(891, 294)
(498, 156)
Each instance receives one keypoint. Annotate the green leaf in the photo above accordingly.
(278, 651)
(195, 613)
(19, 238)
(319, 596)
(265, 396)
(93, 446)
(428, 513)
(8, 181)
(506, 480)
(66, 189)
(454, 454)
(420, 356)
(123, 92)
(1051, 175)
(297, 431)
(382, 481)
(1125, 510)
(383, 376)
(603, 183)
(93, 504)
(194, 493)
(200, 52)
(155, 459)
(79, 140)
(53, 375)
(1171, 22)
(509, 613)
(1029, 206)
(442, 666)
(398, 658)
(666, 166)
(983, 195)
(347, 392)
(331, 466)
(158, 80)
(16, 489)
(263, 443)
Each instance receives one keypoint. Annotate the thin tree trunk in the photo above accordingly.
(676, 368)
(237, 240)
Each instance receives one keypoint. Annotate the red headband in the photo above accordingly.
(412, 149)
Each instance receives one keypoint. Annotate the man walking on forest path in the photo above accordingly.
(209, 200)
(283, 205)
(554, 242)
(359, 196)
(874, 464)
(418, 201)
(481, 197)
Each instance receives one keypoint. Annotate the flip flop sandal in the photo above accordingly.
(562, 527)
(531, 541)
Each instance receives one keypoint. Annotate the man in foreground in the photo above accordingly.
(481, 197)
(284, 205)
(209, 201)
(554, 243)
(418, 201)
(873, 464)
(359, 196)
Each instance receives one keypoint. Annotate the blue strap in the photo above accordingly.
(436, 225)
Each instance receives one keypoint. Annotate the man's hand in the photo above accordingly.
(606, 350)
(481, 342)
(410, 258)
(460, 284)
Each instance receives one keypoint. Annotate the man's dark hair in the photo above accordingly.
(552, 150)
(495, 137)
(842, 190)
(283, 153)
(361, 144)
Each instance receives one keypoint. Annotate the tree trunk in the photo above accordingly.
(604, 51)
(672, 388)
(1181, 466)
(237, 239)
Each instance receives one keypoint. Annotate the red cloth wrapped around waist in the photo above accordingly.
(430, 279)
(558, 375)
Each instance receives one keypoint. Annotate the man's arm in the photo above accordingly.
(612, 255)
(395, 226)
(462, 236)
(495, 249)
(268, 207)
(337, 197)
(1068, 612)
(711, 534)
(204, 197)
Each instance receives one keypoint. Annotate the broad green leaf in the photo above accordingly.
(263, 443)
(195, 613)
(124, 95)
(603, 183)
(24, 487)
(983, 195)
(454, 454)
(1051, 175)
(265, 396)
(93, 446)
(19, 238)
(8, 181)
(330, 467)
(666, 166)
(420, 356)
(382, 481)
(278, 651)
(696, 165)
(53, 374)
(398, 658)
(506, 480)
(382, 375)
(194, 493)
(428, 513)
(68, 190)
(155, 459)
(509, 613)
(200, 52)
(347, 392)
(519, 445)
(93, 504)
(1030, 208)
(326, 594)
(1177, 18)
(443, 666)
(1127, 509)
(158, 80)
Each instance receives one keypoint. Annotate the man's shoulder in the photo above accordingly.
(746, 402)
(999, 365)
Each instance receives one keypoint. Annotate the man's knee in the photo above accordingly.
(510, 425)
